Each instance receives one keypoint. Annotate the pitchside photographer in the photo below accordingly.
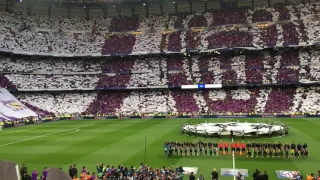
(23, 172)
(240, 176)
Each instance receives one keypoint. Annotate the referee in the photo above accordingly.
(231, 134)
(242, 134)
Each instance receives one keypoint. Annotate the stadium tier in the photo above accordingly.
(150, 103)
(292, 25)
(292, 67)
(268, 67)
(259, 62)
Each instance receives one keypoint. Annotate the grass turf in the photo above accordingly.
(115, 142)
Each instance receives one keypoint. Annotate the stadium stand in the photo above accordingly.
(53, 82)
(58, 103)
(295, 24)
(244, 101)
(286, 25)
(263, 67)
(252, 53)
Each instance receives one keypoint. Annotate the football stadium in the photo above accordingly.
(159, 89)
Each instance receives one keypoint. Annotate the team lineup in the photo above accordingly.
(271, 150)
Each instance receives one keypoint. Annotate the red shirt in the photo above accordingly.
(238, 145)
(220, 145)
(226, 145)
(243, 145)
(233, 145)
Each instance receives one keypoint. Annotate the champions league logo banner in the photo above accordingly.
(234, 172)
(189, 170)
(284, 174)
(11, 108)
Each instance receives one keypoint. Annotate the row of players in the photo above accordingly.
(249, 149)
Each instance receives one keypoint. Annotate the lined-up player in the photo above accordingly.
(220, 148)
(243, 148)
(226, 148)
(238, 147)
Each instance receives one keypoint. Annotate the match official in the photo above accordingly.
(255, 174)
(231, 134)
(74, 171)
(192, 177)
(242, 134)
(265, 176)
(270, 132)
(214, 174)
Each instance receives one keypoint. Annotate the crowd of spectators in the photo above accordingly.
(291, 34)
(270, 35)
(57, 103)
(41, 34)
(108, 172)
(53, 81)
(106, 103)
(235, 101)
(141, 102)
(174, 42)
(119, 44)
(25, 64)
(5, 83)
(280, 100)
(149, 42)
(148, 103)
(288, 66)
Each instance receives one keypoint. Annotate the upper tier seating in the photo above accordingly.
(59, 35)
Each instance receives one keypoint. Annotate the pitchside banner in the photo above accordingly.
(11, 108)
(285, 174)
(234, 172)
(189, 170)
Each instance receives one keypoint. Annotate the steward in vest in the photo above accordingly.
(318, 176)
(311, 177)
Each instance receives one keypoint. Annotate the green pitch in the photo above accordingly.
(122, 142)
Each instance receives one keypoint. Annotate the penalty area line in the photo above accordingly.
(36, 137)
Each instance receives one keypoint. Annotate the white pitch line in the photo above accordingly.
(77, 130)
(36, 137)
(233, 162)
(15, 131)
